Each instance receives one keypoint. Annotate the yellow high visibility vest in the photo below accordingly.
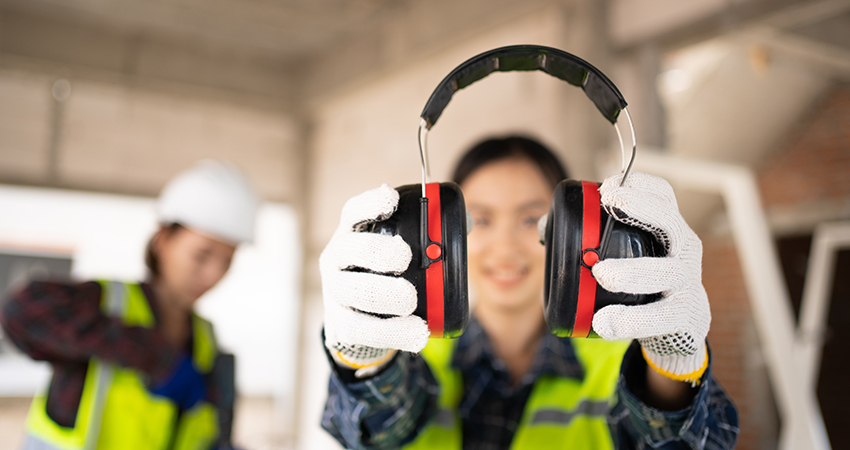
(116, 411)
(565, 413)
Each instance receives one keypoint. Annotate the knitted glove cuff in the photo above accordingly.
(677, 367)
(361, 357)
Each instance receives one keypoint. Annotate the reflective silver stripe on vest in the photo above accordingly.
(33, 443)
(116, 303)
(444, 418)
(115, 306)
(562, 417)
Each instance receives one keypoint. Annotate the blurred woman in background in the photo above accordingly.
(133, 366)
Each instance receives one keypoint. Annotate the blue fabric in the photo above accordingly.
(389, 409)
(185, 385)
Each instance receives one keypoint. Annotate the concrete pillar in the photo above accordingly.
(584, 133)
(649, 113)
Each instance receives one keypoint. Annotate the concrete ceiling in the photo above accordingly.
(311, 34)
(754, 66)
(831, 31)
(310, 46)
(279, 29)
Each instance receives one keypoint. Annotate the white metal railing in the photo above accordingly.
(792, 362)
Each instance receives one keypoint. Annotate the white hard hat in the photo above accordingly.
(213, 198)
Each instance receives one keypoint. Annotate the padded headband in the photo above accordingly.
(557, 63)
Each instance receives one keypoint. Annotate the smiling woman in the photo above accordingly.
(507, 184)
(505, 382)
(508, 187)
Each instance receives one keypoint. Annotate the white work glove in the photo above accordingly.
(672, 330)
(368, 307)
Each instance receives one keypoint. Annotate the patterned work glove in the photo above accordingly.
(368, 307)
(671, 331)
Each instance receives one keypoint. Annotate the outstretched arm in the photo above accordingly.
(59, 322)
(385, 411)
(708, 421)
(668, 398)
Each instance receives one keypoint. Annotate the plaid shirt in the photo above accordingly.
(389, 409)
(63, 324)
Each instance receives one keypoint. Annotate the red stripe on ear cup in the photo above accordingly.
(589, 239)
(434, 272)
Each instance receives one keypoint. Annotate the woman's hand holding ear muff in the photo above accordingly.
(368, 307)
(672, 330)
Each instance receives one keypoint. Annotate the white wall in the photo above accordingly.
(123, 137)
(119, 137)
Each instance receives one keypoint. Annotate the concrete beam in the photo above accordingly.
(50, 44)
(706, 19)
(830, 60)
(279, 30)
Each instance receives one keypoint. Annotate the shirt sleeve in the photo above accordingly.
(709, 423)
(63, 323)
(385, 411)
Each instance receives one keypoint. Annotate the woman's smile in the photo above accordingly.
(506, 277)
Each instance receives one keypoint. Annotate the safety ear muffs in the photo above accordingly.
(432, 218)
(574, 244)
(435, 227)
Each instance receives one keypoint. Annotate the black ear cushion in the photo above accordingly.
(563, 250)
(455, 284)
(563, 240)
(406, 223)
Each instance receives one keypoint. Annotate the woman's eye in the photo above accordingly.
(482, 221)
(530, 221)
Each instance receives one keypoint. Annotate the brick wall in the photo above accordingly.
(815, 165)
(724, 284)
(810, 170)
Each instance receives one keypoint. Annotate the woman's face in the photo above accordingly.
(191, 263)
(505, 258)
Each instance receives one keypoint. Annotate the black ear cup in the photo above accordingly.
(439, 270)
(572, 239)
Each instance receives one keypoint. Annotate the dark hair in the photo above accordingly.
(520, 147)
(151, 258)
